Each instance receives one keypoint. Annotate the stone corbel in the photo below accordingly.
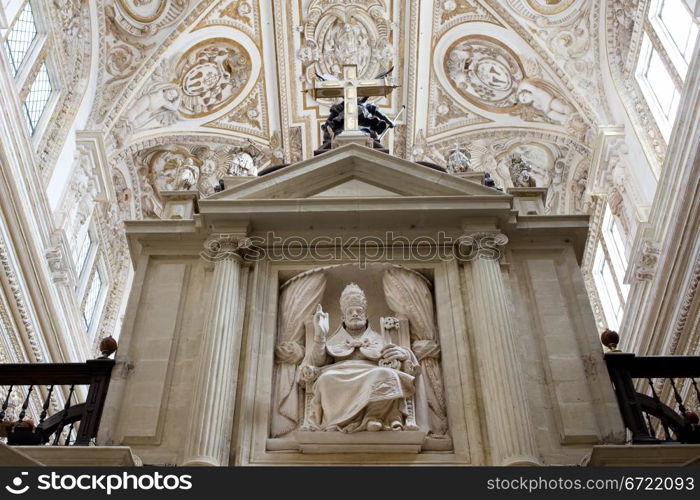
(180, 204)
(59, 263)
(529, 200)
(647, 262)
(57, 266)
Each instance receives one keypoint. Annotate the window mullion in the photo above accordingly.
(663, 54)
(616, 279)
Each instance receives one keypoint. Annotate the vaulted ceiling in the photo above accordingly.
(221, 82)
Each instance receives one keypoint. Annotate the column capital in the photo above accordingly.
(486, 245)
(222, 246)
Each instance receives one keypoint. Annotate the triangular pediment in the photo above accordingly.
(354, 188)
(354, 171)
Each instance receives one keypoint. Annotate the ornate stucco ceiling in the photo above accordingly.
(220, 83)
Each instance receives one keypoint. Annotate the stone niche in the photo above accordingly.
(444, 406)
(425, 425)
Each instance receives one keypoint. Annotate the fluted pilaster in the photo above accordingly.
(209, 435)
(510, 430)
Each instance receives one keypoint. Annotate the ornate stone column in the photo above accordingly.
(510, 430)
(211, 418)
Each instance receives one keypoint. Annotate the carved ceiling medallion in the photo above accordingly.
(549, 7)
(211, 75)
(352, 32)
(145, 11)
(485, 72)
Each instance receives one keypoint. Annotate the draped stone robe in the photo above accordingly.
(358, 385)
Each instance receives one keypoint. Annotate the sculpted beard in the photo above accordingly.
(355, 323)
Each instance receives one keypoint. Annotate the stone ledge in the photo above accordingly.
(81, 455)
(311, 442)
(10, 456)
(639, 455)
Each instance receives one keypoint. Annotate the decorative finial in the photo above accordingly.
(108, 346)
(610, 339)
(691, 417)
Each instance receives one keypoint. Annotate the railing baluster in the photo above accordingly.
(57, 435)
(6, 403)
(70, 431)
(658, 405)
(651, 426)
(45, 408)
(63, 418)
(678, 398)
(23, 413)
(697, 391)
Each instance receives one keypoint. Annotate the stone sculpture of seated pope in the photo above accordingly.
(359, 381)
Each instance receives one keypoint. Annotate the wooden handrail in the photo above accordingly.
(95, 373)
(636, 407)
(655, 366)
(54, 373)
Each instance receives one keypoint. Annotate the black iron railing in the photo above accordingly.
(38, 387)
(657, 395)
